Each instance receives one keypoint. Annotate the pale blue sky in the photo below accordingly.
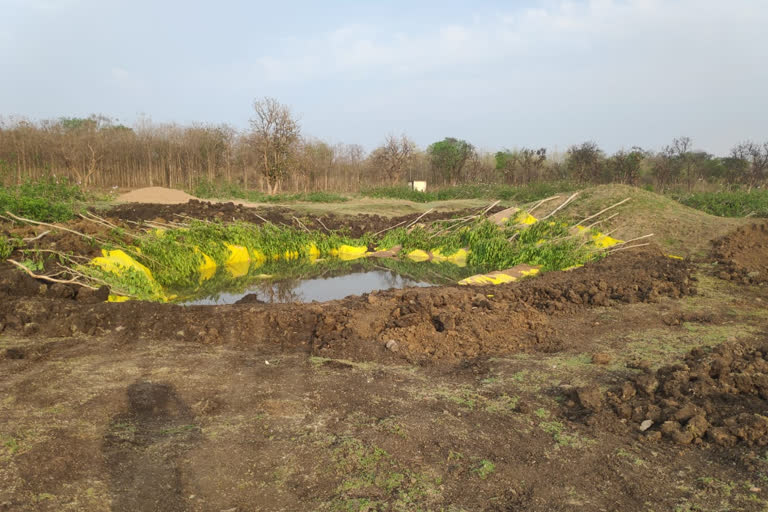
(499, 74)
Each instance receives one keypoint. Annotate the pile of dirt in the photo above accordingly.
(711, 397)
(418, 324)
(156, 195)
(742, 255)
(355, 225)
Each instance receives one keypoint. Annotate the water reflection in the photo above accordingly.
(329, 286)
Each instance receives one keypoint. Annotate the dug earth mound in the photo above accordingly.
(447, 323)
(716, 397)
(743, 254)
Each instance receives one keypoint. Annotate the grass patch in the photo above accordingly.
(659, 346)
(729, 203)
(217, 190)
(557, 430)
(522, 194)
(370, 471)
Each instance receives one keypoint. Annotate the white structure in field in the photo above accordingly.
(418, 186)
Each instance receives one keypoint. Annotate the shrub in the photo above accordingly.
(46, 201)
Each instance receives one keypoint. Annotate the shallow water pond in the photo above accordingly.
(320, 288)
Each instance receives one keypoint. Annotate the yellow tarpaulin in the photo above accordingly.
(117, 261)
(500, 277)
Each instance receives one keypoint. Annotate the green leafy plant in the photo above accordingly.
(729, 203)
(47, 200)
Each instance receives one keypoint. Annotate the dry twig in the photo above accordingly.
(49, 279)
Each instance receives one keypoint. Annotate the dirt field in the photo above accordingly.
(638, 382)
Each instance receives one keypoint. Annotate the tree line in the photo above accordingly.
(274, 156)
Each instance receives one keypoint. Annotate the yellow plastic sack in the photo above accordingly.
(238, 269)
(313, 252)
(459, 258)
(500, 277)
(349, 252)
(117, 261)
(237, 254)
(418, 255)
(207, 268)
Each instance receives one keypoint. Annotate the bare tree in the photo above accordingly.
(756, 158)
(275, 136)
(395, 157)
(682, 159)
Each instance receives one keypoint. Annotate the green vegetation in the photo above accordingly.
(549, 244)
(449, 156)
(484, 469)
(175, 257)
(7, 246)
(372, 470)
(729, 203)
(521, 194)
(47, 200)
(221, 190)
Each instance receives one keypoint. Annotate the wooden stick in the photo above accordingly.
(627, 247)
(542, 202)
(601, 221)
(301, 224)
(321, 223)
(489, 208)
(29, 221)
(465, 220)
(567, 201)
(38, 237)
(58, 253)
(391, 227)
(102, 220)
(49, 279)
(635, 239)
(418, 218)
(603, 211)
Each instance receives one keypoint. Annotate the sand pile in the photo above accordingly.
(155, 195)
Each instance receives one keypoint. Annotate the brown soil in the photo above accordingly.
(711, 396)
(743, 254)
(442, 323)
(354, 225)
(525, 396)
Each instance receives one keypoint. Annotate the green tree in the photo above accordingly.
(585, 162)
(624, 166)
(521, 166)
(449, 156)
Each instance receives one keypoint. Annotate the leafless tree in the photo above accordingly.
(275, 136)
(756, 157)
(394, 158)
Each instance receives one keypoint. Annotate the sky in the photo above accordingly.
(500, 74)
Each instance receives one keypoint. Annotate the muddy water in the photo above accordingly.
(314, 289)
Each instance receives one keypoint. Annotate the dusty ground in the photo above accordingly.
(519, 397)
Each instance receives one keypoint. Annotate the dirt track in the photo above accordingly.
(519, 397)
